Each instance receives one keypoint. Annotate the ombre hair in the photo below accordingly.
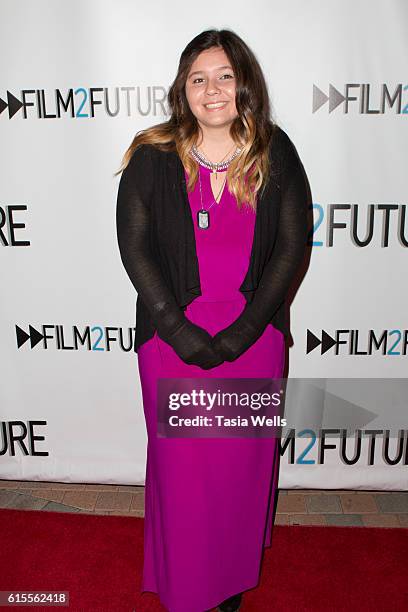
(252, 129)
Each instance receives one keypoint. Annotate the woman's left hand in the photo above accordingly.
(232, 341)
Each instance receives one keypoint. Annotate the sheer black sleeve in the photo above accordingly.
(280, 270)
(191, 342)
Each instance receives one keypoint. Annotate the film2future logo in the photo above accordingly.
(364, 447)
(387, 342)
(358, 97)
(92, 338)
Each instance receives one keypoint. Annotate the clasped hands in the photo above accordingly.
(195, 346)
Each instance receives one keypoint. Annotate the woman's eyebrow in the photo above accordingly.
(200, 71)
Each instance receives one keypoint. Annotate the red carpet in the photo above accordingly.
(98, 559)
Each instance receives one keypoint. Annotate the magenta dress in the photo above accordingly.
(209, 501)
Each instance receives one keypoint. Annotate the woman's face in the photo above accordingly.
(211, 81)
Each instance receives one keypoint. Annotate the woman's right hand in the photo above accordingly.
(193, 345)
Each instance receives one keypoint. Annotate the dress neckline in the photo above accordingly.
(207, 172)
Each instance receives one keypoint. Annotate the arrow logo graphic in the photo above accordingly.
(13, 104)
(319, 98)
(313, 341)
(22, 336)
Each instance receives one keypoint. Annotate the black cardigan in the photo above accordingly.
(154, 182)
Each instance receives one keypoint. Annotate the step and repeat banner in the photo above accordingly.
(78, 80)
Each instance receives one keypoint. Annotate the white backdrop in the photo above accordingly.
(73, 412)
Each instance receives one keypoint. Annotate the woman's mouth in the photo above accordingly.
(215, 106)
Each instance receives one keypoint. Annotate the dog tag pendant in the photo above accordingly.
(203, 219)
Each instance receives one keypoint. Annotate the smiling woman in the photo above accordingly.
(212, 226)
(211, 91)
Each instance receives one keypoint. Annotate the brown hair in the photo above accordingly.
(252, 129)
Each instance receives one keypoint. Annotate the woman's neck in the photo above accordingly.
(216, 145)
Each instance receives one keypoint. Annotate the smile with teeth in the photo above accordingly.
(215, 104)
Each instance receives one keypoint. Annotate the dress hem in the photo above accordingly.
(207, 608)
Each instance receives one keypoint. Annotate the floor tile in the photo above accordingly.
(358, 504)
(322, 504)
(7, 498)
(56, 507)
(113, 501)
(281, 519)
(49, 494)
(291, 503)
(396, 503)
(345, 520)
(307, 519)
(380, 520)
(81, 499)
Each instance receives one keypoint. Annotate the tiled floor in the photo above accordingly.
(295, 507)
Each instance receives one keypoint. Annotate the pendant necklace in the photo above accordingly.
(203, 216)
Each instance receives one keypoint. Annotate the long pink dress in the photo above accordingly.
(209, 502)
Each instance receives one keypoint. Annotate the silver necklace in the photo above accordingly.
(203, 216)
(213, 166)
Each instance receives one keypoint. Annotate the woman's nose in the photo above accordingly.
(212, 86)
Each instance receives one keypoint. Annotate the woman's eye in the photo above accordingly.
(230, 76)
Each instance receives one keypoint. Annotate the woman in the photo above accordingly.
(211, 223)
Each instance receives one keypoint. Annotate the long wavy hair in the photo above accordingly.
(252, 129)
